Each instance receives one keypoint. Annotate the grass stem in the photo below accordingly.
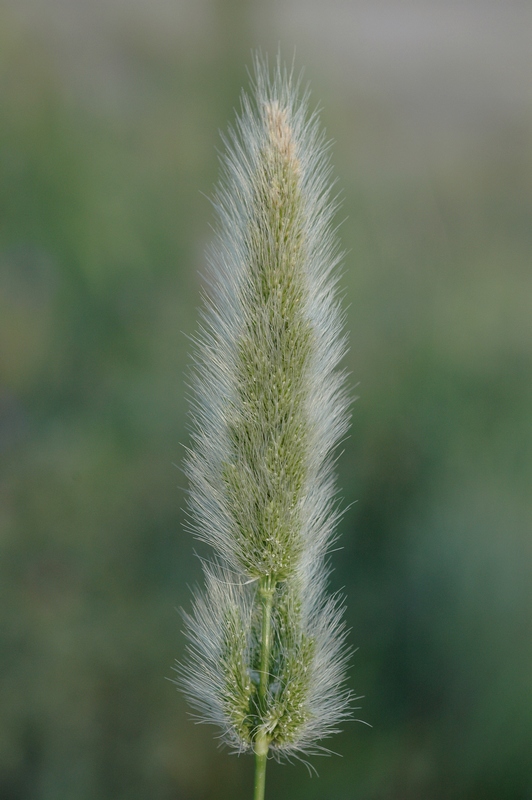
(266, 592)
(261, 756)
(262, 742)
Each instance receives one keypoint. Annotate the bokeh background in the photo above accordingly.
(109, 124)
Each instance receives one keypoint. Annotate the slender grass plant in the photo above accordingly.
(267, 652)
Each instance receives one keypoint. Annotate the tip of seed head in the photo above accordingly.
(280, 131)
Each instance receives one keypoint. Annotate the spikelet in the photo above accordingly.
(267, 654)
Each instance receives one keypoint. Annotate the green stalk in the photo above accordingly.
(261, 757)
(266, 591)
(262, 741)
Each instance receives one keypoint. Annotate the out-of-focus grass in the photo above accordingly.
(102, 229)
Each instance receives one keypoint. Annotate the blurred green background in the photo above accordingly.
(109, 120)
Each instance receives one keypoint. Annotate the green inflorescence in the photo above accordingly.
(238, 685)
(268, 429)
(267, 651)
(268, 434)
(291, 661)
(284, 710)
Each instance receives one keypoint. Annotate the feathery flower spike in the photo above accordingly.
(267, 654)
